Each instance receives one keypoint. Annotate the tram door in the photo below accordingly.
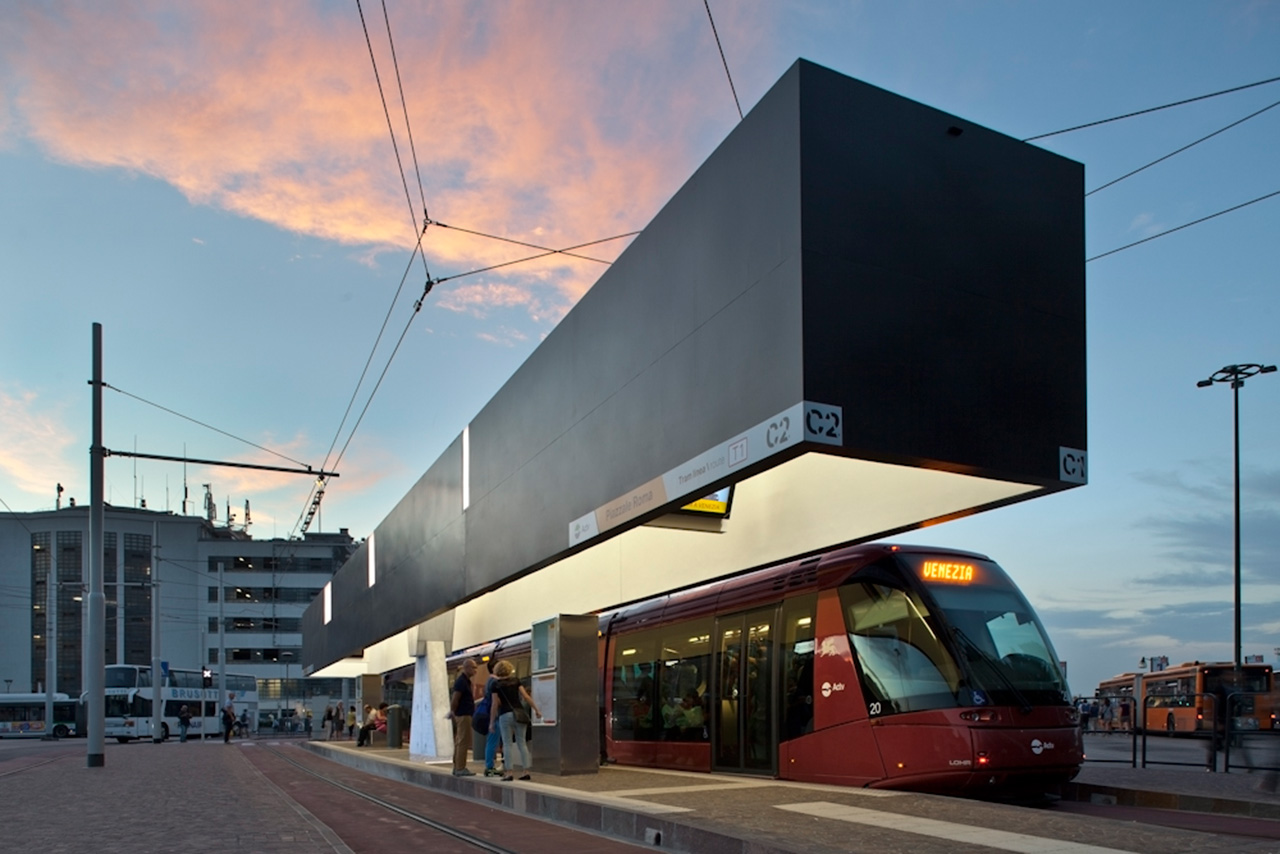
(744, 726)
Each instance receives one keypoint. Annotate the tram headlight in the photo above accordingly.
(980, 715)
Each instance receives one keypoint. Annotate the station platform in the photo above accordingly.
(730, 814)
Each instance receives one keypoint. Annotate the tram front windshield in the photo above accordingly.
(971, 639)
(994, 630)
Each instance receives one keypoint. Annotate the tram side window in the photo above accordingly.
(904, 666)
(632, 695)
(684, 672)
(660, 680)
(797, 649)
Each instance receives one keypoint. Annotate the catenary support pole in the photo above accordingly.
(51, 636)
(95, 642)
(157, 674)
(222, 643)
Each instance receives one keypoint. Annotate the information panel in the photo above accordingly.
(545, 637)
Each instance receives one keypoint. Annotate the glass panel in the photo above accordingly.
(904, 665)
(121, 677)
(757, 707)
(729, 670)
(1004, 644)
(633, 693)
(684, 678)
(796, 666)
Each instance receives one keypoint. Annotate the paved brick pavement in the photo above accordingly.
(192, 797)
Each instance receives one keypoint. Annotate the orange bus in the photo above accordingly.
(1176, 699)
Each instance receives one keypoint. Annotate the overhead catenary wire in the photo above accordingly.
(528, 258)
(1151, 109)
(545, 249)
(404, 106)
(408, 197)
(723, 61)
(317, 487)
(202, 424)
(1182, 149)
(1184, 225)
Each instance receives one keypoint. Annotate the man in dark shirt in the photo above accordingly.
(462, 705)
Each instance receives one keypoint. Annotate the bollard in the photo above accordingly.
(395, 726)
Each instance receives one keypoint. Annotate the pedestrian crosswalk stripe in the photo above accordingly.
(1001, 839)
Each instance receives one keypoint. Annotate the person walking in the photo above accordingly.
(508, 716)
(184, 723)
(228, 718)
(462, 705)
(351, 723)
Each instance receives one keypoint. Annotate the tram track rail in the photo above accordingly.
(438, 826)
(33, 765)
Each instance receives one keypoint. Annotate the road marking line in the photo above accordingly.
(1002, 839)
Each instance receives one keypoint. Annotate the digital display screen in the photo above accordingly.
(715, 504)
(948, 572)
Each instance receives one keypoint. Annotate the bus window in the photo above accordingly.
(121, 677)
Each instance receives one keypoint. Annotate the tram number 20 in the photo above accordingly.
(873, 709)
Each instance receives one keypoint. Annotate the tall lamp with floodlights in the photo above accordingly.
(1236, 375)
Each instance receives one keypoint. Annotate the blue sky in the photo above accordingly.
(216, 185)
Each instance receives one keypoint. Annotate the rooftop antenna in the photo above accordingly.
(185, 494)
(210, 508)
(247, 520)
(58, 505)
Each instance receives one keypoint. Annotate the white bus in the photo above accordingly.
(22, 716)
(129, 692)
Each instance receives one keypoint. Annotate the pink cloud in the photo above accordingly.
(553, 123)
(35, 445)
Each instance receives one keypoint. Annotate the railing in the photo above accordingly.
(1251, 741)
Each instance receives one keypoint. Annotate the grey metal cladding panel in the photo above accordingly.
(740, 367)
(430, 505)
(944, 284)
(420, 545)
(431, 579)
(736, 219)
(691, 336)
(349, 631)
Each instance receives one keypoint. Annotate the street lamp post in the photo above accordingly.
(1236, 375)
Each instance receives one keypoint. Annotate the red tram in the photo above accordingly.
(876, 665)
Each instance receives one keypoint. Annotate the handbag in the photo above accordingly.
(514, 703)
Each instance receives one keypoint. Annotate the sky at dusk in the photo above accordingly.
(216, 184)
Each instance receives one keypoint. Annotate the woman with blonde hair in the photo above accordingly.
(507, 714)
